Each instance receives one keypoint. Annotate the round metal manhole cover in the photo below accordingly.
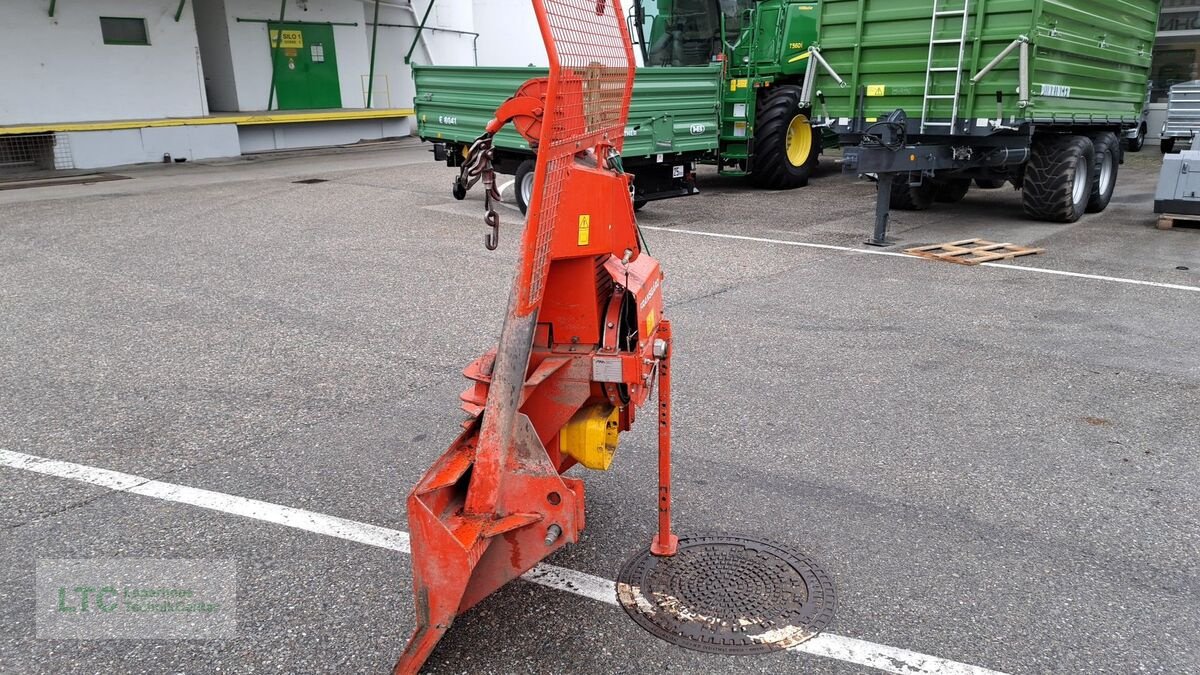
(728, 595)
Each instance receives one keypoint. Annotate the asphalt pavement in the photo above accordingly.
(998, 465)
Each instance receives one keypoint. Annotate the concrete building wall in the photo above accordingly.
(58, 69)
(99, 149)
(509, 34)
(393, 76)
(250, 50)
(319, 134)
(212, 30)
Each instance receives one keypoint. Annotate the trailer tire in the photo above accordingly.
(952, 191)
(907, 197)
(523, 183)
(1058, 178)
(990, 183)
(786, 147)
(638, 204)
(1167, 145)
(1108, 164)
(1138, 142)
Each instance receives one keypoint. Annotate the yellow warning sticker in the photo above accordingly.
(292, 39)
(876, 90)
(651, 322)
(585, 230)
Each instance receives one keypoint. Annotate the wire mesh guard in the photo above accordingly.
(594, 74)
(21, 152)
(590, 83)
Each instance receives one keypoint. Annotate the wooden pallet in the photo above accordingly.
(973, 251)
(1167, 221)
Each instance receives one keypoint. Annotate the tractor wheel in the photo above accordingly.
(906, 197)
(990, 183)
(786, 148)
(1138, 142)
(523, 185)
(1167, 145)
(1104, 179)
(952, 191)
(1058, 178)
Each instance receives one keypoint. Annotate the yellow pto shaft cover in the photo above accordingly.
(591, 436)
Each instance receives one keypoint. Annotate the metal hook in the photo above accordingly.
(491, 239)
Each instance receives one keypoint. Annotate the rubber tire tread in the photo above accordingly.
(772, 170)
(527, 166)
(1136, 144)
(1108, 148)
(906, 197)
(1048, 192)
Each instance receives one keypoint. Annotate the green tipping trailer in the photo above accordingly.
(722, 87)
(932, 95)
(673, 122)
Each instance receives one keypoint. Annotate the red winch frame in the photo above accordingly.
(584, 341)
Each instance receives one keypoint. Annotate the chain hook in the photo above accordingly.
(491, 239)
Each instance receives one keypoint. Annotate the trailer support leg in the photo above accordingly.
(883, 206)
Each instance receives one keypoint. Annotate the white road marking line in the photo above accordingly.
(850, 650)
(332, 526)
(512, 205)
(851, 249)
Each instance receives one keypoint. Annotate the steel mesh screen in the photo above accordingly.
(35, 151)
(590, 82)
(593, 56)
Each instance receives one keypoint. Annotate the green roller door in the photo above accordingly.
(306, 73)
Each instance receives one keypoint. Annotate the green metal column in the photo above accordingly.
(275, 51)
(374, 41)
(417, 37)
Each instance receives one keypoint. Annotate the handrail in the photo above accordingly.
(475, 46)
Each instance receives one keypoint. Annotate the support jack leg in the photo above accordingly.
(665, 543)
(883, 206)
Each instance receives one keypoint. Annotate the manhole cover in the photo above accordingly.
(728, 595)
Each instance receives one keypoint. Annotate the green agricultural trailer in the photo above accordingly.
(722, 85)
(673, 121)
(930, 96)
